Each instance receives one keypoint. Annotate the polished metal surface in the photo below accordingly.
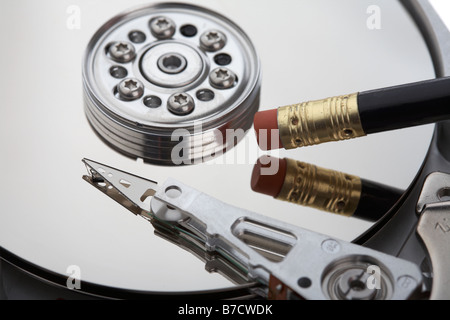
(52, 218)
(348, 280)
(213, 40)
(190, 68)
(116, 184)
(396, 234)
(222, 78)
(328, 190)
(130, 89)
(436, 189)
(172, 63)
(315, 122)
(434, 229)
(267, 247)
(162, 27)
(181, 104)
(122, 52)
(168, 63)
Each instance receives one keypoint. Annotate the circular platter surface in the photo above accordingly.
(307, 49)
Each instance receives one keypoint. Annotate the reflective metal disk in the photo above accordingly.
(162, 59)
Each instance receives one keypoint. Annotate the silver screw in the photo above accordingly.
(122, 51)
(222, 78)
(181, 104)
(162, 27)
(130, 89)
(213, 40)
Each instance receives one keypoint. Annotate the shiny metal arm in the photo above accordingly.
(288, 261)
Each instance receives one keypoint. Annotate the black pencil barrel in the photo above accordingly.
(405, 106)
(376, 200)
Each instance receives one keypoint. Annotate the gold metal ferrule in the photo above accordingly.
(319, 188)
(320, 121)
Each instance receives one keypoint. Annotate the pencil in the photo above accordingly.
(354, 115)
(324, 189)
